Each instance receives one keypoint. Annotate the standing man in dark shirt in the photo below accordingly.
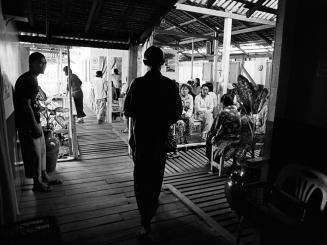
(152, 114)
(77, 93)
(27, 117)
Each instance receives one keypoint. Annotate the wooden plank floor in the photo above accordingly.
(207, 191)
(96, 203)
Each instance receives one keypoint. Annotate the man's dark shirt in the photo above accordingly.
(26, 87)
(153, 102)
(75, 83)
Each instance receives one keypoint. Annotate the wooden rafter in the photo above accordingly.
(185, 34)
(223, 14)
(267, 40)
(30, 13)
(163, 11)
(201, 21)
(256, 6)
(176, 26)
(64, 13)
(95, 9)
(210, 3)
(236, 32)
(261, 8)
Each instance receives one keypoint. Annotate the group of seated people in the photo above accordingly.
(230, 125)
(196, 107)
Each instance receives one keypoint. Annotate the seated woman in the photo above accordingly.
(203, 110)
(214, 98)
(184, 125)
(225, 130)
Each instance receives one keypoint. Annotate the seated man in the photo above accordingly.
(203, 105)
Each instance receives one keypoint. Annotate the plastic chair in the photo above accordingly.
(287, 203)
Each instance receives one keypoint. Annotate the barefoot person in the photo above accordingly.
(151, 114)
(30, 132)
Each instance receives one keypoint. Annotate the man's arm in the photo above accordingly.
(189, 113)
(36, 129)
(129, 104)
(209, 104)
(197, 105)
(178, 106)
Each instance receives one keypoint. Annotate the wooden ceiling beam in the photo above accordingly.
(256, 6)
(72, 42)
(222, 14)
(94, 12)
(236, 32)
(185, 34)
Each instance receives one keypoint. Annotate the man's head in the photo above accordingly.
(227, 100)
(210, 86)
(204, 90)
(116, 71)
(99, 74)
(65, 69)
(185, 89)
(153, 57)
(197, 82)
(37, 63)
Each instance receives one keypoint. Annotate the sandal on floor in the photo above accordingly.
(41, 187)
(124, 131)
(143, 232)
(55, 182)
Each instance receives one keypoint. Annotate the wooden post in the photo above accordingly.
(72, 125)
(60, 70)
(215, 66)
(192, 58)
(226, 52)
(109, 94)
(132, 74)
(132, 64)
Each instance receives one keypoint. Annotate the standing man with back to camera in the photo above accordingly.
(77, 93)
(151, 114)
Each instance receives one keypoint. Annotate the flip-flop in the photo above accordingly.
(54, 182)
(40, 187)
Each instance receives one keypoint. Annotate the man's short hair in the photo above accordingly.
(210, 86)
(205, 85)
(227, 100)
(36, 56)
(65, 69)
(116, 71)
(99, 74)
(153, 56)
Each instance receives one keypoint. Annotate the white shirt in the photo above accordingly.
(116, 80)
(203, 104)
(214, 98)
(100, 88)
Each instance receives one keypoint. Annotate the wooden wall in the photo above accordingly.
(299, 104)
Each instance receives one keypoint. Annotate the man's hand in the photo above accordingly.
(37, 132)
